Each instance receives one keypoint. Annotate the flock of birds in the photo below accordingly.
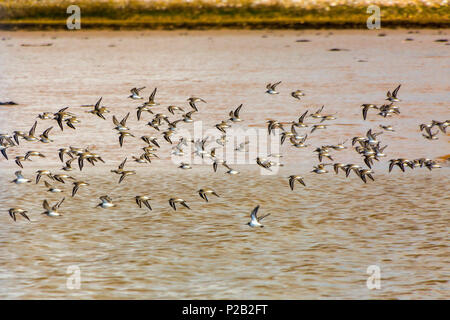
(368, 147)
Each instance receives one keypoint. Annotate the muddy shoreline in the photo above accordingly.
(287, 25)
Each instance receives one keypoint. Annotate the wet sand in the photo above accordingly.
(318, 241)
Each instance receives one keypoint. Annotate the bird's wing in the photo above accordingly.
(121, 137)
(69, 162)
(259, 219)
(192, 104)
(24, 215)
(236, 112)
(46, 132)
(45, 205)
(139, 112)
(33, 129)
(155, 142)
(302, 117)
(152, 96)
(114, 119)
(364, 112)
(321, 109)
(185, 204)
(253, 215)
(59, 203)
(75, 189)
(124, 120)
(363, 177)
(138, 202)
(97, 105)
(59, 120)
(302, 182)
(394, 93)
(4, 154)
(291, 183)
(147, 204)
(172, 204)
(80, 163)
(275, 84)
(122, 165)
(226, 166)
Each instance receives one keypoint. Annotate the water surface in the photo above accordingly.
(318, 241)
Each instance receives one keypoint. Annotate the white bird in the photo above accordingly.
(50, 188)
(271, 88)
(255, 221)
(53, 211)
(184, 166)
(234, 115)
(135, 93)
(230, 170)
(20, 179)
(106, 202)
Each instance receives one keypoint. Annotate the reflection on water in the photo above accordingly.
(318, 240)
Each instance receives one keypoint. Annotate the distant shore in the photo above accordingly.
(207, 14)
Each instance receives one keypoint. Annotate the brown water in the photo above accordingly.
(317, 242)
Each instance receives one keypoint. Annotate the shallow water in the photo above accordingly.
(318, 241)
